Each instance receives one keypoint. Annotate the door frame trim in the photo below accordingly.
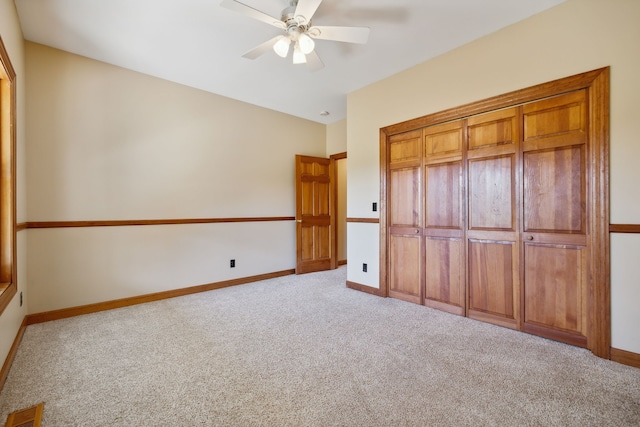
(334, 213)
(597, 84)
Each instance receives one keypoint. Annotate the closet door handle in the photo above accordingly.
(529, 237)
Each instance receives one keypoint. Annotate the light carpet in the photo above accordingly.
(307, 351)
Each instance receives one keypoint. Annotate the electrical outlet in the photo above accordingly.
(232, 264)
(364, 267)
(375, 206)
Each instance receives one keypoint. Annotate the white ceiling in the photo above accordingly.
(199, 44)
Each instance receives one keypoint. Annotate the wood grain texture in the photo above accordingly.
(363, 288)
(571, 141)
(29, 417)
(314, 214)
(405, 191)
(555, 194)
(625, 357)
(556, 334)
(556, 287)
(64, 313)
(554, 190)
(335, 226)
(624, 228)
(12, 353)
(8, 253)
(444, 274)
(405, 150)
(405, 217)
(138, 222)
(443, 141)
(517, 97)
(492, 193)
(383, 231)
(563, 116)
(599, 290)
(491, 278)
(493, 129)
(406, 267)
(492, 176)
(443, 198)
(6, 70)
(364, 220)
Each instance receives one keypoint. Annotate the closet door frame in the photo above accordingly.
(597, 84)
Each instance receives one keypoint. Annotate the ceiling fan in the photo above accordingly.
(296, 23)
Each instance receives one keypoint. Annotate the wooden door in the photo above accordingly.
(405, 217)
(555, 217)
(314, 211)
(444, 246)
(492, 233)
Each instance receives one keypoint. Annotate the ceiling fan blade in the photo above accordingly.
(314, 63)
(242, 8)
(262, 48)
(306, 9)
(340, 34)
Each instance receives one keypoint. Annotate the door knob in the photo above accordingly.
(529, 237)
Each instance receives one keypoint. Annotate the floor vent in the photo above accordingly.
(29, 417)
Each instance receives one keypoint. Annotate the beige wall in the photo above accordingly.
(337, 137)
(11, 34)
(107, 143)
(337, 143)
(574, 37)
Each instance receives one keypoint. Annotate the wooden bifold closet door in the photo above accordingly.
(488, 216)
(405, 216)
(555, 218)
(493, 265)
(443, 232)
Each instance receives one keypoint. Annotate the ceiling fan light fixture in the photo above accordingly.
(295, 21)
(298, 56)
(306, 44)
(281, 47)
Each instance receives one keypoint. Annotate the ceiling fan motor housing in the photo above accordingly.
(294, 27)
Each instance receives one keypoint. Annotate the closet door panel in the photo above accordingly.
(443, 195)
(405, 194)
(405, 150)
(491, 193)
(554, 297)
(443, 141)
(562, 118)
(492, 129)
(554, 191)
(406, 259)
(492, 292)
(444, 267)
(555, 292)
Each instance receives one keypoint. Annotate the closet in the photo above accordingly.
(500, 214)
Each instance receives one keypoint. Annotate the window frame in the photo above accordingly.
(8, 272)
